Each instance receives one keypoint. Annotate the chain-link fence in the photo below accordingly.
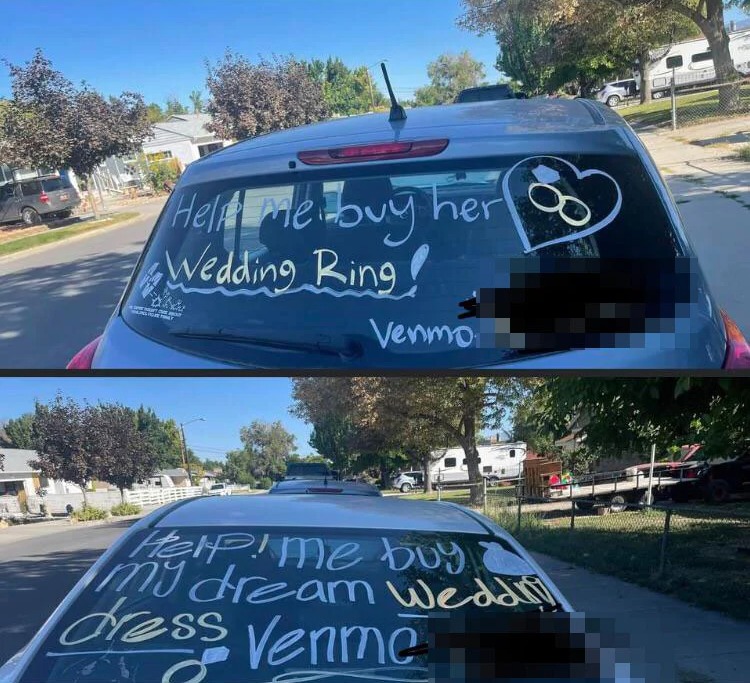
(699, 552)
(717, 101)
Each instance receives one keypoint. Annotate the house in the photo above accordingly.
(183, 137)
(18, 480)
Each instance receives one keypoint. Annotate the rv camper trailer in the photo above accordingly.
(496, 462)
(693, 64)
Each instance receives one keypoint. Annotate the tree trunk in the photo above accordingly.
(384, 473)
(469, 444)
(718, 41)
(644, 62)
(122, 495)
(426, 462)
(85, 495)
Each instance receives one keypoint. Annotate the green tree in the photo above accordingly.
(20, 431)
(174, 107)
(449, 74)
(332, 437)
(196, 99)
(154, 113)
(162, 438)
(238, 468)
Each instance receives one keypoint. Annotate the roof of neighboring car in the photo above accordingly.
(316, 511)
(496, 118)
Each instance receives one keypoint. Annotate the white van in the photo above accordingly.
(496, 462)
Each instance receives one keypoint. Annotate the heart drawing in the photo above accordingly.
(547, 177)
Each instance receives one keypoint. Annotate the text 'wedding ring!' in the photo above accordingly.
(562, 202)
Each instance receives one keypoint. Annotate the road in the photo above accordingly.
(58, 298)
(38, 566)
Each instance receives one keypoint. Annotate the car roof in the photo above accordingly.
(496, 119)
(316, 512)
(304, 485)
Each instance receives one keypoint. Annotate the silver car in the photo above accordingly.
(515, 234)
(296, 587)
(616, 92)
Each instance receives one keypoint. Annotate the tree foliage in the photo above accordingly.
(53, 124)
(174, 107)
(196, 99)
(449, 74)
(266, 448)
(20, 431)
(249, 99)
(347, 91)
(162, 437)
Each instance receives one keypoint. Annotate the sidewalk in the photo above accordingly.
(706, 647)
(712, 190)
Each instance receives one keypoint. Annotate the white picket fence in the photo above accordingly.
(158, 496)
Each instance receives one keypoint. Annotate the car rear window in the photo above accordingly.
(379, 258)
(229, 604)
(53, 184)
(31, 188)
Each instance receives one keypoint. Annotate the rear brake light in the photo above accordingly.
(690, 474)
(324, 490)
(738, 350)
(374, 152)
(44, 197)
(83, 359)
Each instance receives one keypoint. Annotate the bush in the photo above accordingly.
(264, 483)
(163, 171)
(744, 153)
(123, 509)
(89, 514)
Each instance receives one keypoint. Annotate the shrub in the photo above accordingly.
(123, 509)
(162, 171)
(264, 483)
(89, 514)
(743, 153)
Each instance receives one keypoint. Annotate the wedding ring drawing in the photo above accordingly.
(562, 202)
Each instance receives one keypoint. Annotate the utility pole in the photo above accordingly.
(183, 446)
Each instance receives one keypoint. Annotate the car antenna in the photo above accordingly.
(397, 111)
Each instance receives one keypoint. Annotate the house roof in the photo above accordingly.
(176, 472)
(191, 126)
(16, 460)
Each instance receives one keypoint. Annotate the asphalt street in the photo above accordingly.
(57, 298)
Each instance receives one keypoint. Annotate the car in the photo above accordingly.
(487, 93)
(309, 470)
(326, 486)
(479, 236)
(220, 489)
(255, 588)
(714, 480)
(615, 92)
(29, 201)
(406, 481)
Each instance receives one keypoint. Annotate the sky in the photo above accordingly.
(159, 47)
(225, 403)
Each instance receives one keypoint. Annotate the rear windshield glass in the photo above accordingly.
(233, 605)
(380, 260)
(52, 184)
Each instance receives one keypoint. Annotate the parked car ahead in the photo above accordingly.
(406, 481)
(274, 587)
(220, 489)
(615, 92)
(487, 93)
(358, 244)
(28, 201)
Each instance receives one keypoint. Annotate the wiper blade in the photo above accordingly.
(347, 349)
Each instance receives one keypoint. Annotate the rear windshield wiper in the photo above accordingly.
(347, 349)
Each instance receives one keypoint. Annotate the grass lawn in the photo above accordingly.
(46, 235)
(704, 566)
(691, 109)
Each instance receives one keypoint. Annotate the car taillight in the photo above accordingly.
(44, 198)
(373, 152)
(738, 350)
(690, 474)
(82, 360)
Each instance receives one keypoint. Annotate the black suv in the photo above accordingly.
(488, 93)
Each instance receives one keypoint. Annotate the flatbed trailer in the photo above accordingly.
(616, 490)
